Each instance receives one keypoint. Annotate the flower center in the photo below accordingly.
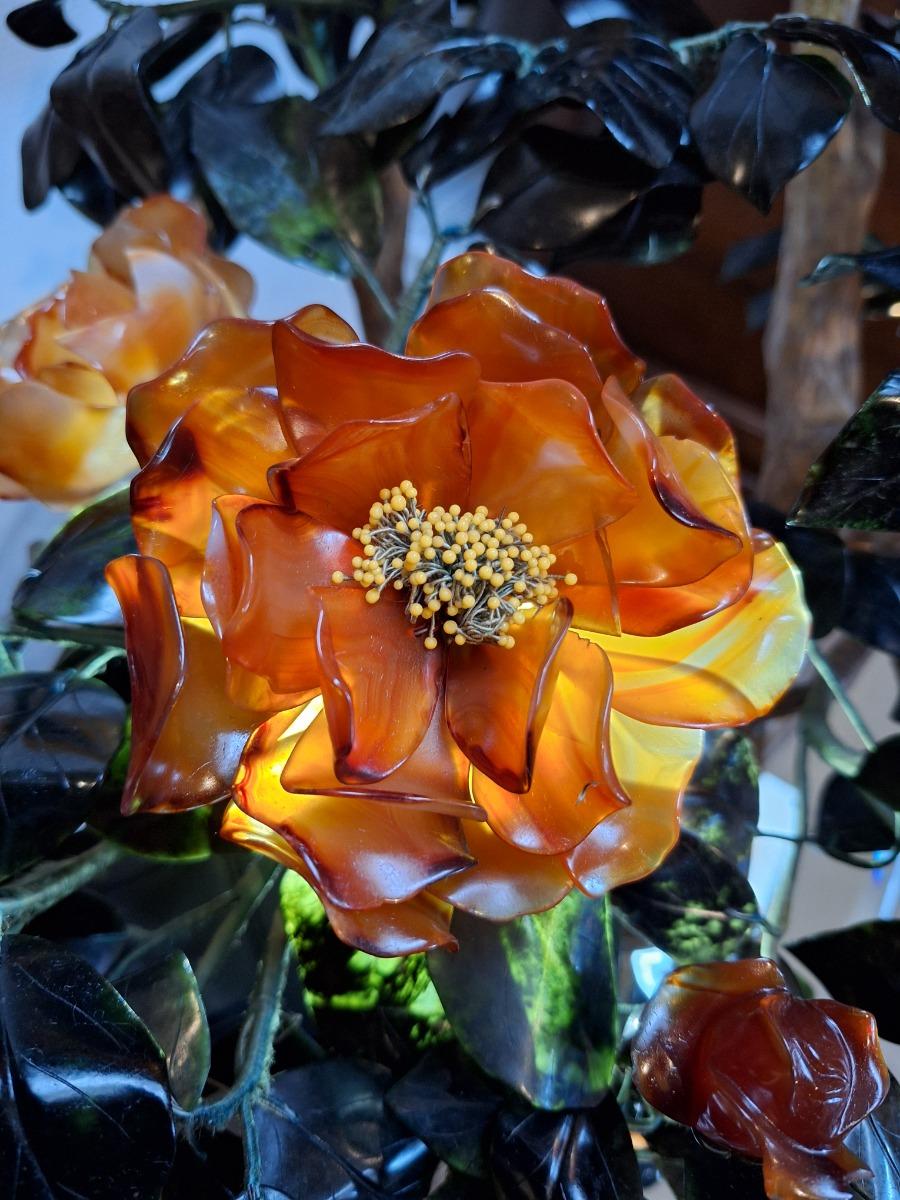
(471, 576)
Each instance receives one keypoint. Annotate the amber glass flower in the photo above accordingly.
(725, 1048)
(66, 365)
(445, 626)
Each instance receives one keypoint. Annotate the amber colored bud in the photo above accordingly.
(725, 1048)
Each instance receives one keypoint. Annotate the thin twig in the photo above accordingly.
(415, 295)
(364, 270)
(834, 685)
(251, 890)
(49, 883)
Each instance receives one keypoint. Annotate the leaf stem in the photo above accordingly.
(251, 890)
(364, 270)
(49, 883)
(415, 294)
(257, 1040)
(834, 685)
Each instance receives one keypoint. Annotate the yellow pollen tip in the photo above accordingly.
(338, 577)
(431, 643)
(373, 596)
(570, 579)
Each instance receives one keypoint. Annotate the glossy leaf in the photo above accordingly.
(876, 1141)
(875, 65)
(750, 254)
(684, 19)
(565, 1156)
(766, 116)
(550, 1029)
(856, 483)
(446, 1103)
(41, 23)
(85, 1110)
(695, 1170)
(184, 837)
(167, 999)
(879, 775)
(696, 906)
(324, 1132)
(855, 827)
(407, 65)
(282, 184)
(872, 606)
(630, 81)
(721, 805)
(57, 735)
(64, 592)
(858, 966)
(880, 267)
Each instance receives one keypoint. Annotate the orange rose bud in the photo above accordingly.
(725, 1048)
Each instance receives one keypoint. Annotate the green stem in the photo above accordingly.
(7, 662)
(363, 269)
(49, 883)
(257, 1036)
(689, 49)
(415, 295)
(834, 685)
(251, 890)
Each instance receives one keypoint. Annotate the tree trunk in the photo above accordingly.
(813, 342)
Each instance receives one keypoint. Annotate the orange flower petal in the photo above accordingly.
(223, 562)
(671, 409)
(378, 705)
(408, 927)
(57, 448)
(556, 301)
(224, 444)
(594, 596)
(435, 778)
(497, 699)
(654, 765)
(187, 735)
(337, 482)
(161, 222)
(327, 384)
(574, 785)
(536, 450)
(505, 882)
(358, 854)
(687, 522)
(93, 295)
(272, 630)
(726, 670)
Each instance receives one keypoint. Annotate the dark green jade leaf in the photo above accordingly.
(695, 906)
(881, 267)
(721, 804)
(874, 64)
(41, 23)
(57, 735)
(856, 827)
(64, 593)
(167, 999)
(856, 482)
(282, 183)
(534, 1001)
(84, 1109)
(565, 1156)
(879, 776)
(695, 1170)
(858, 966)
(876, 1141)
(766, 116)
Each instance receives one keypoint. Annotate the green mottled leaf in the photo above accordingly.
(534, 1001)
(721, 805)
(856, 482)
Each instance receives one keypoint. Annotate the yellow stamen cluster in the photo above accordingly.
(470, 576)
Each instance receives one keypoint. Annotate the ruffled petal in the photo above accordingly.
(574, 786)
(726, 670)
(224, 444)
(536, 450)
(556, 301)
(655, 766)
(594, 597)
(56, 447)
(358, 854)
(408, 927)
(498, 699)
(326, 384)
(187, 735)
(688, 522)
(505, 882)
(283, 556)
(337, 482)
(671, 409)
(379, 683)
(435, 778)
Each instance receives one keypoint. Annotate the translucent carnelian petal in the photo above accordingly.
(187, 735)
(358, 854)
(378, 706)
(225, 443)
(408, 927)
(594, 597)
(284, 556)
(223, 561)
(498, 699)
(671, 409)
(504, 882)
(574, 786)
(654, 766)
(536, 451)
(326, 384)
(556, 301)
(336, 482)
(726, 670)
(435, 778)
